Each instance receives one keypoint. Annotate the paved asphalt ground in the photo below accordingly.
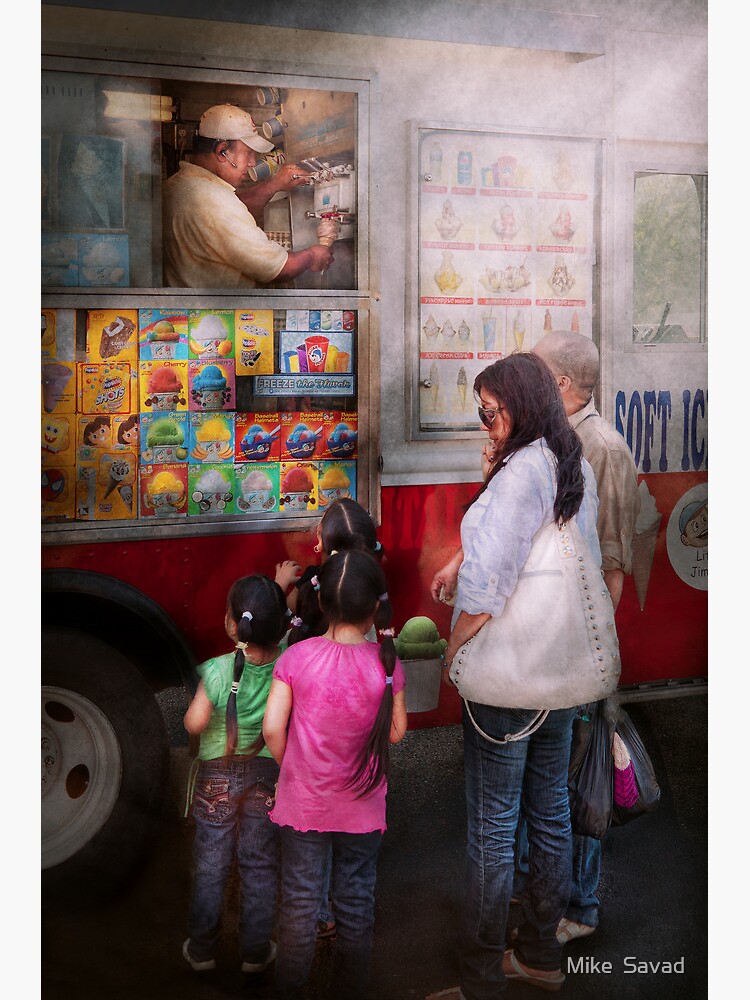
(653, 889)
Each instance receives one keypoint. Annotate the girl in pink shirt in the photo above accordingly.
(335, 705)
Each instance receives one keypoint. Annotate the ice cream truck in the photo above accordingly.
(494, 174)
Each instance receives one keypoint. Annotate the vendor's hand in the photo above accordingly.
(287, 573)
(290, 176)
(322, 257)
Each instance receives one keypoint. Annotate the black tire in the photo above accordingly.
(105, 761)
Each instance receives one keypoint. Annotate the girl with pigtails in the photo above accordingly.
(232, 791)
(336, 703)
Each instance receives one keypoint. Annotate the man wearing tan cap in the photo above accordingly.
(211, 239)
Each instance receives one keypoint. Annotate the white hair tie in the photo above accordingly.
(248, 615)
(241, 645)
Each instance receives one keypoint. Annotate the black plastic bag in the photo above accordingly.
(649, 792)
(590, 775)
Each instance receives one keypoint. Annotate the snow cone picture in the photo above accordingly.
(164, 440)
(211, 335)
(209, 387)
(257, 490)
(297, 491)
(164, 495)
(164, 390)
(211, 440)
(211, 490)
(334, 484)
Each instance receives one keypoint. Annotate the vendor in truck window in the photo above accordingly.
(211, 239)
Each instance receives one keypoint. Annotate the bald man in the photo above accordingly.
(574, 361)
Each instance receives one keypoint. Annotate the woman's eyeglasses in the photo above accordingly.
(487, 415)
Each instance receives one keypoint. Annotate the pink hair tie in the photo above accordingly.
(314, 581)
(387, 631)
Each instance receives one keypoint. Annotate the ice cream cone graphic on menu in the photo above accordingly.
(461, 384)
(644, 542)
(434, 384)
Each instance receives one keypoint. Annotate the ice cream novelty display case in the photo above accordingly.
(176, 410)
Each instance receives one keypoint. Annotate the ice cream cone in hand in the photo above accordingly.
(328, 232)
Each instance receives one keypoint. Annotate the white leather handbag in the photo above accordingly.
(555, 643)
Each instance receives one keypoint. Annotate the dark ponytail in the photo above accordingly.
(257, 606)
(352, 588)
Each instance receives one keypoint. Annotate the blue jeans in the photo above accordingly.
(497, 776)
(230, 808)
(324, 912)
(583, 906)
(305, 855)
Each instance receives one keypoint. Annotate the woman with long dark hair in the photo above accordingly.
(534, 474)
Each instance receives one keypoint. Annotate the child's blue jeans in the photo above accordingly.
(230, 807)
(355, 857)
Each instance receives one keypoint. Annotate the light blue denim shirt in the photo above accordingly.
(498, 529)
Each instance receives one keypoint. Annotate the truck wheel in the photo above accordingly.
(104, 768)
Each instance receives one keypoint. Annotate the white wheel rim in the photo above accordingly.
(81, 773)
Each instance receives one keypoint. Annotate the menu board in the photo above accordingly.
(507, 232)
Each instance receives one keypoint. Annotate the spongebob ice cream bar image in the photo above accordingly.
(209, 338)
(165, 442)
(164, 494)
(212, 441)
(212, 492)
(257, 492)
(165, 390)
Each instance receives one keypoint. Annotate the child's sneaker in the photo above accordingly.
(260, 966)
(195, 965)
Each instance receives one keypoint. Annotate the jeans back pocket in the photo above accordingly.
(211, 797)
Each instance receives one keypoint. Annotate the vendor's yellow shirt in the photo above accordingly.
(211, 240)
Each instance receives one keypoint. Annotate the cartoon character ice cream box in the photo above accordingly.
(211, 333)
(112, 335)
(301, 435)
(106, 388)
(254, 341)
(340, 435)
(298, 486)
(211, 437)
(336, 481)
(211, 489)
(105, 432)
(257, 437)
(163, 386)
(164, 490)
(58, 493)
(59, 386)
(211, 385)
(107, 487)
(257, 487)
(165, 438)
(315, 352)
(58, 439)
(162, 334)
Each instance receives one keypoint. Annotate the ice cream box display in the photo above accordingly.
(254, 342)
(323, 320)
(164, 490)
(59, 259)
(103, 259)
(340, 429)
(211, 489)
(211, 437)
(165, 438)
(106, 388)
(301, 435)
(315, 352)
(97, 432)
(112, 334)
(336, 480)
(58, 439)
(163, 386)
(257, 437)
(211, 385)
(58, 380)
(211, 333)
(162, 334)
(106, 488)
(58, 493)
(58, 334)
(257, 487)
(298, 486)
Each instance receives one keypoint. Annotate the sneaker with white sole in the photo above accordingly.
(569, 930)
(260, 966)
(195, 965)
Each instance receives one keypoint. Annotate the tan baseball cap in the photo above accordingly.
(225, 121)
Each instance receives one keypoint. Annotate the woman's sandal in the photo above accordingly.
(514, 970)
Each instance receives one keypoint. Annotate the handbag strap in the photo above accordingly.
(522, 733)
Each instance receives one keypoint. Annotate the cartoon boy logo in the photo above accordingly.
(694, 525)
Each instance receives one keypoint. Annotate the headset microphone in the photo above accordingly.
(224, 153)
